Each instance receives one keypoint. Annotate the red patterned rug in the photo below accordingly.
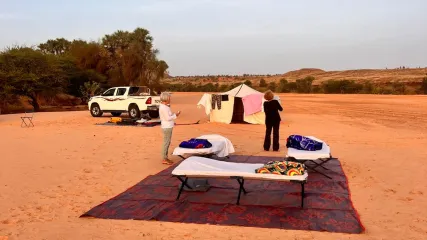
(268, 204)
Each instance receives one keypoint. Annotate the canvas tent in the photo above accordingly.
(232, 108)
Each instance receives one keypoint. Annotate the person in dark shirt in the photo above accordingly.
(272, 121)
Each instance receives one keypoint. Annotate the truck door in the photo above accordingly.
(107, 99)
(120, 103)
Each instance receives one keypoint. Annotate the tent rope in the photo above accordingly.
(239, 90)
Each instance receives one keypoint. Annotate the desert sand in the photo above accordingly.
(65, 165)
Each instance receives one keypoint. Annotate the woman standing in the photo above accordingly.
(272, 120)
(167, 122)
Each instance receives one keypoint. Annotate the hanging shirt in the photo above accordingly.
(166, 116)
(206, 101)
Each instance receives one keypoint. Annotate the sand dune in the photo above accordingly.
(56, 171)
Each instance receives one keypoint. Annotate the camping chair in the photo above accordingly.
(313, 160)
(221, 147)
(199, 167)
(27, 119)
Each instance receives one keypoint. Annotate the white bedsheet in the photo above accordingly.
(325, 152)
(221, 146)
(205, 167)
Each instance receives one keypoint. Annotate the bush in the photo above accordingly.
(304, 85)
(424, 86)
(368, 87)
(283, 86)
(292, 86)
(224, 88)
(342, 86)
(317, 89)
(249, 83)
(398, 88)
(262, 83)
(272, 86)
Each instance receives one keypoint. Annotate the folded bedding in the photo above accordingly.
(287, 168)
(303, 143)
(195, 143)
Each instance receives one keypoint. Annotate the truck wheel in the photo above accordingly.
(95, 110)
(153, 114)
(134, 112)
(116, 114)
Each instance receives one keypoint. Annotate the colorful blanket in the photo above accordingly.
(303, 143)
(195, 143)
(282, 168)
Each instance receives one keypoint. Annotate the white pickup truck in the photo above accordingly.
(118, 100)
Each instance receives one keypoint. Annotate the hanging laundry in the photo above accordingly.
(216, 99)
(252, 103)
(206, 101)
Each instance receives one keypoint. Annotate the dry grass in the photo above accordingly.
(413, 75)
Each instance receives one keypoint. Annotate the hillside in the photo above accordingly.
(411, 75)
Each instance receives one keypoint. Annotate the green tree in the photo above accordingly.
(138, 59)
(6, 91)
(283, 85)
(304, 85)
(57, 46)
(32, 73)
(248, 83)
(272, 86)
(262, 83)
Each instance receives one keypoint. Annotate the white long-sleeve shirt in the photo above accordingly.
(166, 116)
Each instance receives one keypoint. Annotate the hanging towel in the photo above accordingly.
(252, 103)
(206, 101)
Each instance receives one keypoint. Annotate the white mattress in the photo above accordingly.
(325, 152)
(205, 167)
(221, 147)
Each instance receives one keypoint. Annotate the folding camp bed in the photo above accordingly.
(312, 159)
(199, 167)
(221, 147)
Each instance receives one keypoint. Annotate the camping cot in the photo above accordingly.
(221, 147)
(312, 159)
(199, 167)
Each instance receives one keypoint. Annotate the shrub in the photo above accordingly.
(424, 86)
(283, 86)
(292, 86)
(304, 85)
(262, 83)
(342, 86)
(272, 86)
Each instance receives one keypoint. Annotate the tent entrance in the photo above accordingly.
(238, 111)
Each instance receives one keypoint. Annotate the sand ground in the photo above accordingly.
(53, 173)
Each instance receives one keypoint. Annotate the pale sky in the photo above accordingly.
(238, 36)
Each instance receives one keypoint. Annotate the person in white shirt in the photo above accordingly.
(167, 122)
